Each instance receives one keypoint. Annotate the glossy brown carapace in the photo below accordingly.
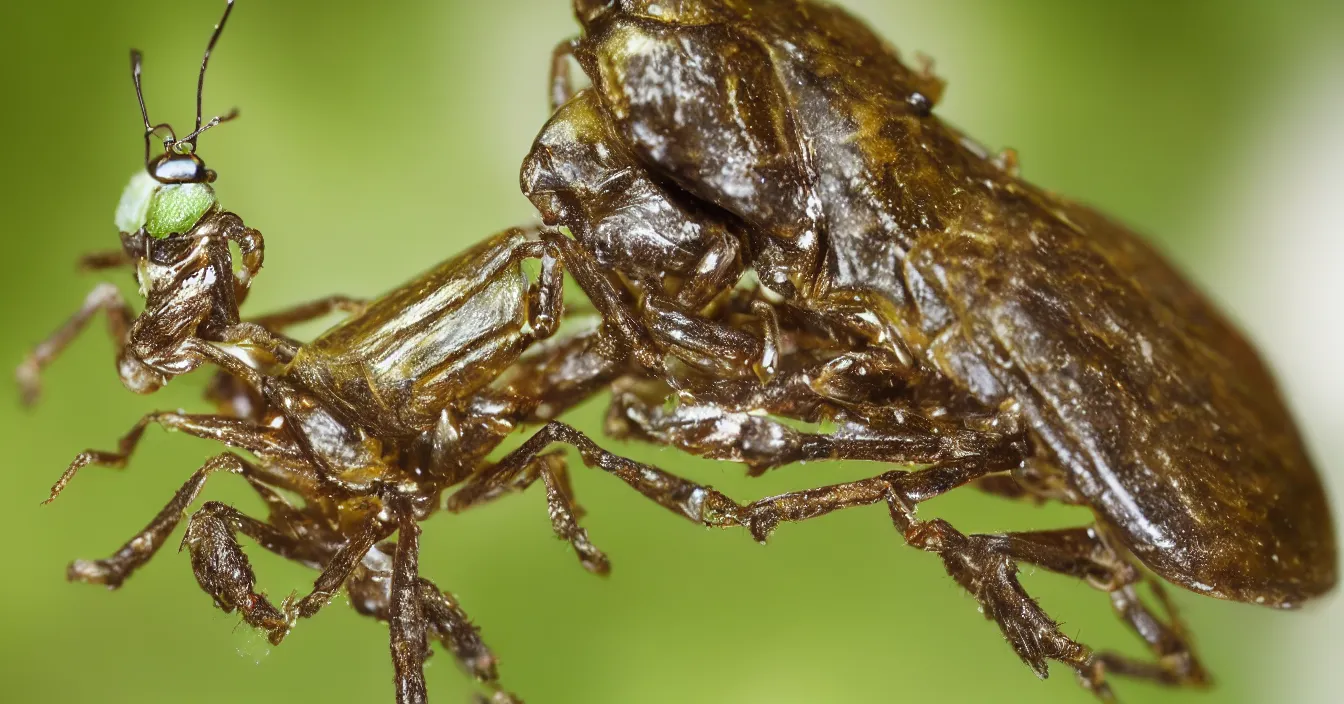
(793, 125)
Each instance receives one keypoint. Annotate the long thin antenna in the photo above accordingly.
(136, 58)
(205, 61)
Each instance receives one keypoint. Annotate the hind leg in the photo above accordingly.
(1085, 554)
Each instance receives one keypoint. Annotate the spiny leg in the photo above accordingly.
(104, 297)
(991, 578)
(223, 570)
(1085, 554)
(984, 565)
(563, 510)
(114, 570)
(565, 514)
(341, 565)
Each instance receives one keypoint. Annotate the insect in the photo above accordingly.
(786, 137)
(369, 424)
(175, 238)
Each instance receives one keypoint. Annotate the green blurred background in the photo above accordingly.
(378, 138)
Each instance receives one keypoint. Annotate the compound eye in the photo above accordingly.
(180, 168)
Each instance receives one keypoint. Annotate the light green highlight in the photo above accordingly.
(134, 203)
(176, 208)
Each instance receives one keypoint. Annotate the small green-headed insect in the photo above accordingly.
(175, 238)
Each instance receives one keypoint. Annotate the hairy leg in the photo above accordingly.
(1086, 554)
(223, 570)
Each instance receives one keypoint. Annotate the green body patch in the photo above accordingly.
(134, 203)
(177, 207)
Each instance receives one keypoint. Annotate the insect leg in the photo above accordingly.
(612, 302)
(1083, 553)
(232, 432)
(406, 614)
(114, 570)
(717, 270)
(104, 297)
(659, 327)
(370, 594)
(1176, 662)
(311, 310)
(561, 506)
(223, 570)
(104, 260)
(763, 443)
(562, 86)
(252, 247)
(339, 568)
(704, 505)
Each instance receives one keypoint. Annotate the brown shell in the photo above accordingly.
(801, 124)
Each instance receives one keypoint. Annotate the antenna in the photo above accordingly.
(200, 82)
(150, 130)
(136, 59)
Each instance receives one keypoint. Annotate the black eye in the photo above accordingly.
(180, 168)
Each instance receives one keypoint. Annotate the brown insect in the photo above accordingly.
(940, 310)
(368, 425)
(783, 136)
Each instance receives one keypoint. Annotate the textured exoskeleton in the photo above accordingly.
(369, 425)
(789, 126)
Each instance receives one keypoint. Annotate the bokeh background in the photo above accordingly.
(378, 138)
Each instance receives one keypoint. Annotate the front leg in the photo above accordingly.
(260, 440)
(562, 85)
(312, 310)
(104, 297)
